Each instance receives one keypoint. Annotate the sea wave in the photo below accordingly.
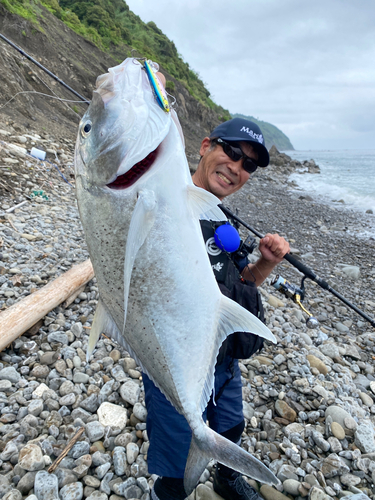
(324, 190)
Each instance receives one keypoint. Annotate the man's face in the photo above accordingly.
(217, 173)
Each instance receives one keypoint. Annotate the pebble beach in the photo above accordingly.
(309, 400)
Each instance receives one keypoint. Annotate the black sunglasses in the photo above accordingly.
(236, 154)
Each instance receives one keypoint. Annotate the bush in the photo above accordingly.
(170, 86)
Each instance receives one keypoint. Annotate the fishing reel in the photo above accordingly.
(297, 295)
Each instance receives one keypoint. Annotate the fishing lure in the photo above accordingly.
(157, 87)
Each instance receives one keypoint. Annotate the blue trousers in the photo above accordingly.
(170, 434)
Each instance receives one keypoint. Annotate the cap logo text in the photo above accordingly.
(257, 137)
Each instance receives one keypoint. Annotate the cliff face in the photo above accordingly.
(77, 62)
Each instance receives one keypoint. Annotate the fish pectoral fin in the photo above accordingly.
(212, 445)
(235, 318)
(102, 322)
(204, 204)
(142, 220)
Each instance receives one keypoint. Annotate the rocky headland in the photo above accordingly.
(308, 400)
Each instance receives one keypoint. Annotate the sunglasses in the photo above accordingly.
(236, 154)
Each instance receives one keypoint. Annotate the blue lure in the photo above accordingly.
(157, 87)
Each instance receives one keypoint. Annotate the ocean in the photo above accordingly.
(347, 175)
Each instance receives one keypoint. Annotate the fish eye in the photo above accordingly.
(86, 129)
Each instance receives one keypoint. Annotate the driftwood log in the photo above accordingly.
(21, 316)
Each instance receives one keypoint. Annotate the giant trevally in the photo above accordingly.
(158, 295)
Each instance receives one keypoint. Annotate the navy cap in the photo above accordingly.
(239, 129)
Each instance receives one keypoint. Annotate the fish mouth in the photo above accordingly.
(131, 176)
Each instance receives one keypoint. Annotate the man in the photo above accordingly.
(228, 157)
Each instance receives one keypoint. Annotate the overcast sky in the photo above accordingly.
(306, 67)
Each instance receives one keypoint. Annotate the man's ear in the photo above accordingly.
(206, 143)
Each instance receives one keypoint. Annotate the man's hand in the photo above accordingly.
(273, 248)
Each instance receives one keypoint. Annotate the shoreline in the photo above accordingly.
(360, 199)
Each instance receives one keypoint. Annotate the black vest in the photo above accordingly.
(226, 268)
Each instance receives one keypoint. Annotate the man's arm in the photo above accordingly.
(273, 248)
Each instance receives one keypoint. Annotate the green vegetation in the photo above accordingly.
(170, 86)
(272, 135)
(21, 8)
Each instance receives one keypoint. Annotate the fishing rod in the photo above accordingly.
(21, 51)
(291, 291)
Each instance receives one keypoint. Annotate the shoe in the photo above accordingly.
(234, 488)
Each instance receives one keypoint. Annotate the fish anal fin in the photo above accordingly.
(232, 318)
(204, 204)
(212, 445)
(102, 323)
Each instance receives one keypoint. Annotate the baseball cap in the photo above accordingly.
(239, 129)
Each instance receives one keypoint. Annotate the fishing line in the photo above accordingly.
(40, 93)
(55, 77)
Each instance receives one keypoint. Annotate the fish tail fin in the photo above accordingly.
(212, 445)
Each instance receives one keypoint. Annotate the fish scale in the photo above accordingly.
(158, 295)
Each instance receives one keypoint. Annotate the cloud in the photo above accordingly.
(303, 67)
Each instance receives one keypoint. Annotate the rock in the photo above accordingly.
(46, 486)
(72, 491)
(94, 431)
(31, 458)
(337, 414)
(65, 476)
(13, 495)
(119, 461)
(279, 359)
(79, 449)
(26, 482)
(132, 452)
(5, 385)
(275, 302)
(364, 438)
(317, 363)
(140, 412)
(287, 472)
(98, 495)
(130, 392)
(270, 493)
(352, 272)
(331, 350)
(112, 415)
(35, 407)
(291, 486)
(337, 430)
(362, 381)
(333, 466)
(11, 374)
(248, 411)
(317, 494)
(350, 480)
(203, 492)
(366, 399)
(285, 411)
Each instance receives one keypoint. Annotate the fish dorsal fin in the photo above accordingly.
(204, 204)
(232, 318)
(142, 220)
(102, 322)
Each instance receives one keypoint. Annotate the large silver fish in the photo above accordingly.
(158, 295)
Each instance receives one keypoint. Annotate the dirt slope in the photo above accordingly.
(77, 62)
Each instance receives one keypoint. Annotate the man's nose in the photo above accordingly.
(235, 166)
